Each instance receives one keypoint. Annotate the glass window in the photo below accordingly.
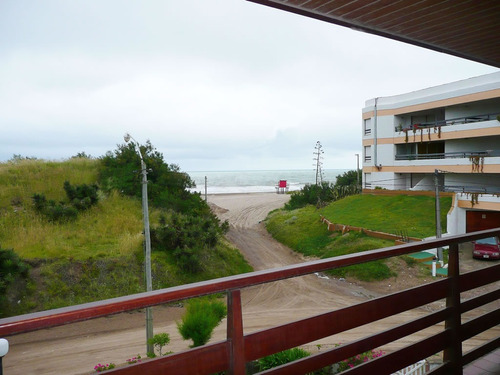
(367, 126)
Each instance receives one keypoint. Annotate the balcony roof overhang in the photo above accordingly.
(463, 28)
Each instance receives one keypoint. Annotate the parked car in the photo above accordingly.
(487, 248)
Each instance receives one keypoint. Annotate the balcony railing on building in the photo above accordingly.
(449, 155)
(449, 122)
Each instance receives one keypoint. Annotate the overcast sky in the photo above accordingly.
(213, 84)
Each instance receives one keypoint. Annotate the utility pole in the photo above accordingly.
(205, 188)
(318, 157)
(147, 241)
(438, 214)
(357, 170)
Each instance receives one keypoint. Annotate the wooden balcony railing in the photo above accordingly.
(232, 354)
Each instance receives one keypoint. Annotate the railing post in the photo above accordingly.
(235, 333)
(453, 353)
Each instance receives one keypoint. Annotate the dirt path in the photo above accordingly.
(292, 299)
(76, 348)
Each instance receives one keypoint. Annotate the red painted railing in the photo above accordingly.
(232, 354)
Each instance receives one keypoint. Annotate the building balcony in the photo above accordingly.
(449, 155)
(449, 122)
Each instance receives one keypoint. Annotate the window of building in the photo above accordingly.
(422, 150)
(367, 126)
(368, 153)
(368, 180)
(406, 151)
(432, 150)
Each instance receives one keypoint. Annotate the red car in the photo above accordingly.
(486, 248)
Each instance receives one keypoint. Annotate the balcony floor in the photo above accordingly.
(487, 365)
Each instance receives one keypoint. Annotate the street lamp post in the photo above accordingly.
(147, 240)
(357, 169)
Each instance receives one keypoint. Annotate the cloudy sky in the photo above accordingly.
(213, 84)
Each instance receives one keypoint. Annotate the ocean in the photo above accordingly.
(227, 182)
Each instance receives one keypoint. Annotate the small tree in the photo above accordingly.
(200, 319)
(159, 341)
(347, 178)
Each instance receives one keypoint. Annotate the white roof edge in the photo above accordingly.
(467, 86)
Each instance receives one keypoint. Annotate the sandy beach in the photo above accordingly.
(76, 348)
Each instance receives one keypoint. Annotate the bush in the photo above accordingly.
(185, 236)
(12, 271)
(320, 195)
(200, 319)
(167, 185)
(159, 341)
(281, 358)
(81, 198)
(347, 179)
(311, 194)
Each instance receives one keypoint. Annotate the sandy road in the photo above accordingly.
(76, 348)
(292, 299)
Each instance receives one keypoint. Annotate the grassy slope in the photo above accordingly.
(302, 231)
(95, 257)
(413, 214)
(111, 228)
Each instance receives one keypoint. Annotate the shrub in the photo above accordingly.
(159, 341)
(320, 194)
(200, 319)
(167, 185)
(12, 269)
(81, 197)
(184, 236)
(186, 231)
(281, 358)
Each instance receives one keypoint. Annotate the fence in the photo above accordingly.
(415, 369)
(232, 354)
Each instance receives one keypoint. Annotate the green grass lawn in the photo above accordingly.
(390, 214)
(302, 230)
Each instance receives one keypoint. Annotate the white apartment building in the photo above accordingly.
(450, 131)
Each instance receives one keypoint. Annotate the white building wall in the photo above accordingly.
(385, 126)
(385, 154)
(466, 110)
(472, 144)
(384, 180)
(455, 219)
(424, 184)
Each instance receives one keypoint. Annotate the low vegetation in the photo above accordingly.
(201, 317)
(281, 358)
(97, 253)
(295, 354)
(302, 230)
(323, 193)
(415, 215)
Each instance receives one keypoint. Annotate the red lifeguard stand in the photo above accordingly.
(282, 187)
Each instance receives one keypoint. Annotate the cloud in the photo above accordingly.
(214, 85)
